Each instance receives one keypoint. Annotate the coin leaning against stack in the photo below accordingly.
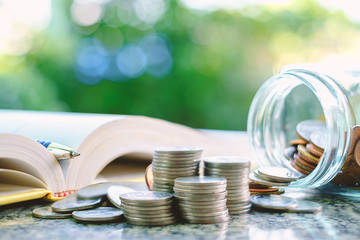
(274, 176)
(201, 199)
(236, 171)
(305, 152)
(148, 208)
(172, 162)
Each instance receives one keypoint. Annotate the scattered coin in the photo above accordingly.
(279, 174)
(273, 202)
(305, 206)
(48, 213)
(100, 214)
(72, 203)
(254, 178)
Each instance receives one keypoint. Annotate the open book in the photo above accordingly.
(112, 147)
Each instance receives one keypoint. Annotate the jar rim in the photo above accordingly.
(337, 110)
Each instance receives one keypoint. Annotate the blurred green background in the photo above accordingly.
(193, 62)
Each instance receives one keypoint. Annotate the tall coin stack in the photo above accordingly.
(201, 199)
(148, 208)
(236, 171)
(173, 162)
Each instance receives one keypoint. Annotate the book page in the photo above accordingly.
(69, 129)
(25, 155)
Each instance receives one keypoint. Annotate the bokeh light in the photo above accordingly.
(194, 62)
(131, 61)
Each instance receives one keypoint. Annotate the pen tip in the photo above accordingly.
(74, 154)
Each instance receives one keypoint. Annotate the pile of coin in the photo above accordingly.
(236, 171)
(274, 176)
(94, 203)
(172, 162)
(201, 199)
(148, 208)
(305, 152)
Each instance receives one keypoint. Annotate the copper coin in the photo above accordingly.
(297, 158)
(264, 189)
(296, 142)
(306, 155)
(292, 162)
(149, 177)
(257, 185)
(314, 150)
(302, 166)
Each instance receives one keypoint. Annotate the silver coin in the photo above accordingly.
(306, 207)
(177, 158)
(206, 214)
(230, 172)
(199, 180)
(72, 203)
(173, 176)
(146, 197)
(319, 138)
(199, 191)
(174, 166)
(227, 160)
(172, 169)
(46, 212)
(305, 128)
(148, 212)
(202, 203)
(179, 149)
(273, 202)
(238, 212)
(207, 220)
(163, 185)
(147, 204)
(151, 219)
(258, 180)
(279, 173)
(94, 191)
(145, 216)
(150, 208)
(143, 223)
(100, 214)
(220, 188)
(203, 197)
(114, 192)
(290, 151)
(240, 206)
(201, 209)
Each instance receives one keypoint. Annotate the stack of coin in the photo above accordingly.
(274, 176)
(305, 152)
(201, 199)
(236, 171)
(148, 208)
(172, 162)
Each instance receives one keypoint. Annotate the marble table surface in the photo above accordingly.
(339, 219)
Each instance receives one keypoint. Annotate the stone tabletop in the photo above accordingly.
(339, 219)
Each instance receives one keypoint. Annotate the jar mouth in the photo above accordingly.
(265, 130)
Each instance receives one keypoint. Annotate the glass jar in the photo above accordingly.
(302, 92)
